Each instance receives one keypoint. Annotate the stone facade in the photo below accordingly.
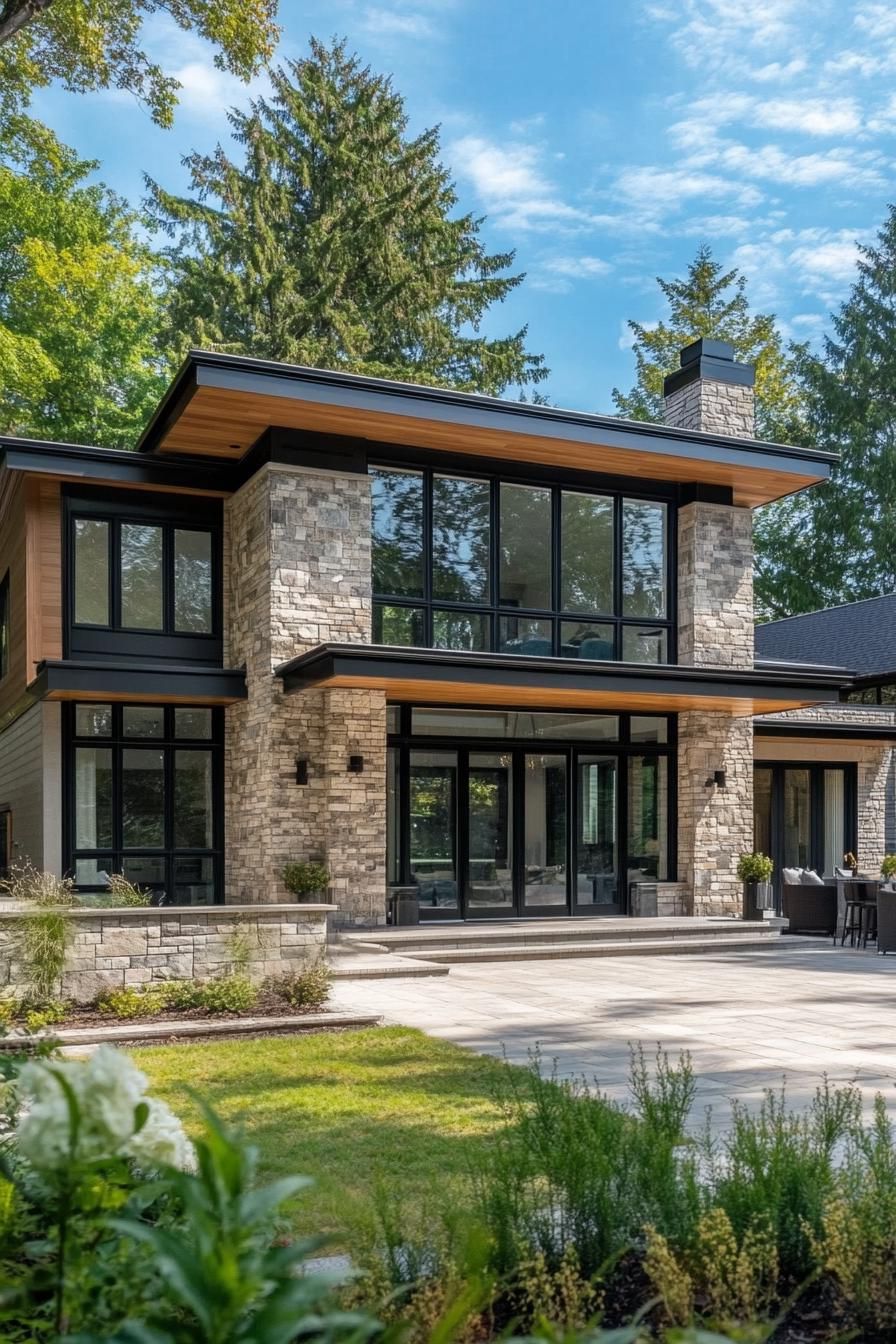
(114, 948)
(715, 586)
(299, 574)
(715, 629)
(713, 407)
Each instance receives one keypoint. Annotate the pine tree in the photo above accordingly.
(837, 543)
(713, 303)
(333, 242)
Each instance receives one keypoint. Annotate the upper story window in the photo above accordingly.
(5, 621)
(137, 575)
(874, 695)
(462, 562)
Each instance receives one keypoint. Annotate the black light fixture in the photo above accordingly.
(355, 765)
(301, 770)
(717, 778)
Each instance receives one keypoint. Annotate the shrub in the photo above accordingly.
(120, 892)
(306, 988)
(306, 879)
(130, 1002)
(179, 994)
(858, 1236)
(228, 994)
(778, 1167)
(728, 1279)
(27, 883)
(49, 1014)
(888, 867)
(755, 868)
(8, 1010)
(574, 1170)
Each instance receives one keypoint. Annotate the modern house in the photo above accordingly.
(496, 654)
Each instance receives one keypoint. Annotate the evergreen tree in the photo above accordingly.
(837, 543)
(713, 303)
(333, 242)
(78, 312)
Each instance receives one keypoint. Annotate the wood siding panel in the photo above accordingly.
(44, 571)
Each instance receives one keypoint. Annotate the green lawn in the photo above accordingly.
(352, 1109)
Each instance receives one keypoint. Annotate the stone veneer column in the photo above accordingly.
(298, 558)
(710, 393)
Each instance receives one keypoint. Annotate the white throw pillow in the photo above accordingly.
(791, 876)
(809, 877)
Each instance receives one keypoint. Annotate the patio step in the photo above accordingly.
(636, 947)
(424, 941)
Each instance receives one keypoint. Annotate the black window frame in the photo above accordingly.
(404, 741)
(816, 771)
(168, 744)
(115, 640)
(5, 625)
(492, 609)
(6, 841)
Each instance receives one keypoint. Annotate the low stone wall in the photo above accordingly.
(112, 948)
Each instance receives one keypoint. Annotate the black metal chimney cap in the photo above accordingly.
(708, 359)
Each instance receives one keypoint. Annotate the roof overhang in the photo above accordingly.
(111, 466)
(863, 733)
(219, 405)
(76, 680)
(443, 677)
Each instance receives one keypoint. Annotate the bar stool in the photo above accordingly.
(860, 915)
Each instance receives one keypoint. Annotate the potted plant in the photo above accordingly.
(307, 881)
(755, 871)
(851, 862)
(888, 867)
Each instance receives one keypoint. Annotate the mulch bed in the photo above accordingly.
(266, 1005)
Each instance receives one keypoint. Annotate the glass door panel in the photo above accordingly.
(490, 862)
(763, 780)
(545, 836)
(797, 836)
(433, 829)
(597, 860)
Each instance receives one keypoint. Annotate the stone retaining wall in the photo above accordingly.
(112, 948)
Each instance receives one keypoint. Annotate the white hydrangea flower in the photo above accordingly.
(162, 1140)
(108, 1089)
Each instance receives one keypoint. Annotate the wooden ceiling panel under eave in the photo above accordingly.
(225, 423)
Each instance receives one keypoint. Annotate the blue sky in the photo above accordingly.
(604, 142)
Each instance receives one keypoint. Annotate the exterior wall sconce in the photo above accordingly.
(717, 778)
(355, 765)
(301, 770)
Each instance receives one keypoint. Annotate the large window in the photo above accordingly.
(136, 576)
(143, 796)
(469, 563)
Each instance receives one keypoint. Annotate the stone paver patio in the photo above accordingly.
(750, 1019)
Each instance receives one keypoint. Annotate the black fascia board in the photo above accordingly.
(513, 671)
(869, 680)
(69, 676)
(861, 732)
(787, 665)
(294, 382)
(120, 466)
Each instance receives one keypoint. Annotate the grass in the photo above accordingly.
(386, 1108)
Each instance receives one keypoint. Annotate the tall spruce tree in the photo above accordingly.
(333, 242)
(837, 543)
(713, 303)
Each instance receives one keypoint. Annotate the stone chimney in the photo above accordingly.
(711, 391)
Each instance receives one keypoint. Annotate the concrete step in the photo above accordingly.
(383, 968)
(639, 947)
(421, 942)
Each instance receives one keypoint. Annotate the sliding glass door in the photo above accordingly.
(597, 836)
(804, 815)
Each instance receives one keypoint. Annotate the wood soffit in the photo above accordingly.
(219, 408)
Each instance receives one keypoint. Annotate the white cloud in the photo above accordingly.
(394, 23)
(813, 116)
(657, 190)
(509, 180)
(576, 267)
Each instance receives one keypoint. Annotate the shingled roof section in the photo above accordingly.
(857, 635)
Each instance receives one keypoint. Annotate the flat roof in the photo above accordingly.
(219, 405)
(448, 677)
